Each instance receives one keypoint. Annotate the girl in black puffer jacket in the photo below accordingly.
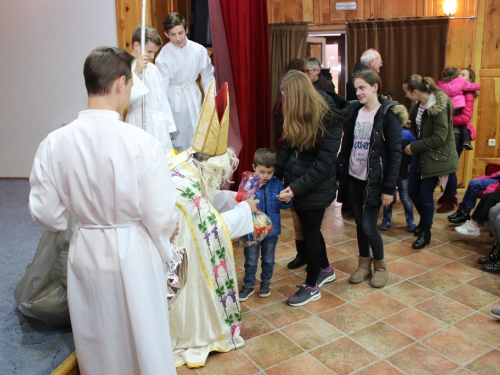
(370, 162)
(312, 134)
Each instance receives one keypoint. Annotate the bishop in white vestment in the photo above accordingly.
(206, 316)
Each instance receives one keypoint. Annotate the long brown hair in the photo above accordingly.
(472, 77)
(422, 84)
(303, 111)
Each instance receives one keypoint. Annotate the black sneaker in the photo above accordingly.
(304, 295)
(265, 290)
(326, 276)
(495, 313)
(245, 292)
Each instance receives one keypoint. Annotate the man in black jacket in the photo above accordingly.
(370, 59)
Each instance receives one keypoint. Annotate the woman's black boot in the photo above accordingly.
(462, 217)
(417, 230)
(300, 259)
(458, 212)
(423, 239)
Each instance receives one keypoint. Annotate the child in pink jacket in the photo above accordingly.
(455, 86)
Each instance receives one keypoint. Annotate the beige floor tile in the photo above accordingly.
(419, 360)
(271, 349)
(311, 333)
(382, 339)
(343, 356)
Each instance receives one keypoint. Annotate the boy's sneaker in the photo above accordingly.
(265, 290)
(386, 224)
(468, 229)
(304, 295)
(411, 225)
(467, 145)
(245, 292)
(326, 275)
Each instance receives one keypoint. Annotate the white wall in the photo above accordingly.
(43, 47)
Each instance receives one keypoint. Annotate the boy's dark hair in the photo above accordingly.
(151, 35)
(104, 66)
(172, 20)
(449, 74)
(265, 157)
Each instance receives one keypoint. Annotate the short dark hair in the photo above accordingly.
(104, 66)
(151, 35)
(265, 157)
(172, 20)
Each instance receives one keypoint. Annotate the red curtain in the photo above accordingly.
(247, 34)
(224, 73)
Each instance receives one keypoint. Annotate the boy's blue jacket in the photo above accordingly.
(270, 205)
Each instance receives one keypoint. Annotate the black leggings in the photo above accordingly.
(483, 208)
(366, 221)
(314, 243)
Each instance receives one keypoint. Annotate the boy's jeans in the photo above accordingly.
(267, 247)
(405, 199)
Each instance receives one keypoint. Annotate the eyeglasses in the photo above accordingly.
(380, 61)
(309, 70)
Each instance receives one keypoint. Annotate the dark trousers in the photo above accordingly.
(366, 219)
(483, 208)
(314, 243)
(421, 192)
(451, 186)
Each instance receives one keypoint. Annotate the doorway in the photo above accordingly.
(331, 49)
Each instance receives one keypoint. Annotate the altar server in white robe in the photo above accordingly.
(206, 315)
(180, 62)
(159, 119)
(112, 178)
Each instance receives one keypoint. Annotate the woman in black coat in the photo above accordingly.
(370, 162)
(311, 133)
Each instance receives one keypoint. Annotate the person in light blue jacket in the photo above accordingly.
(264, 163)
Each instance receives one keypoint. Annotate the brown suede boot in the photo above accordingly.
(364, 270)
(380, 275)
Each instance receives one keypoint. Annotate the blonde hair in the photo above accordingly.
(304, 110)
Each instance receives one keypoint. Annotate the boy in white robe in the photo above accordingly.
(180, 62)
(112, 178)
(159, 120)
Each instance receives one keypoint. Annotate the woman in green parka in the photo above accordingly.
(434, 153)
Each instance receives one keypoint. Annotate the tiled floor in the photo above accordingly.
(433, 316)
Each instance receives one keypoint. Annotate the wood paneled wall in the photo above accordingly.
(129, 16)
(472, 44)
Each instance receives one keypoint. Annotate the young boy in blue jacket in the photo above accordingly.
(264, 163)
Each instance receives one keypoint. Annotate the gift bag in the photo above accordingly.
(261, 222)
(42, 292)
(176, 271)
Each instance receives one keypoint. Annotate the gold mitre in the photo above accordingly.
(213, 126)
